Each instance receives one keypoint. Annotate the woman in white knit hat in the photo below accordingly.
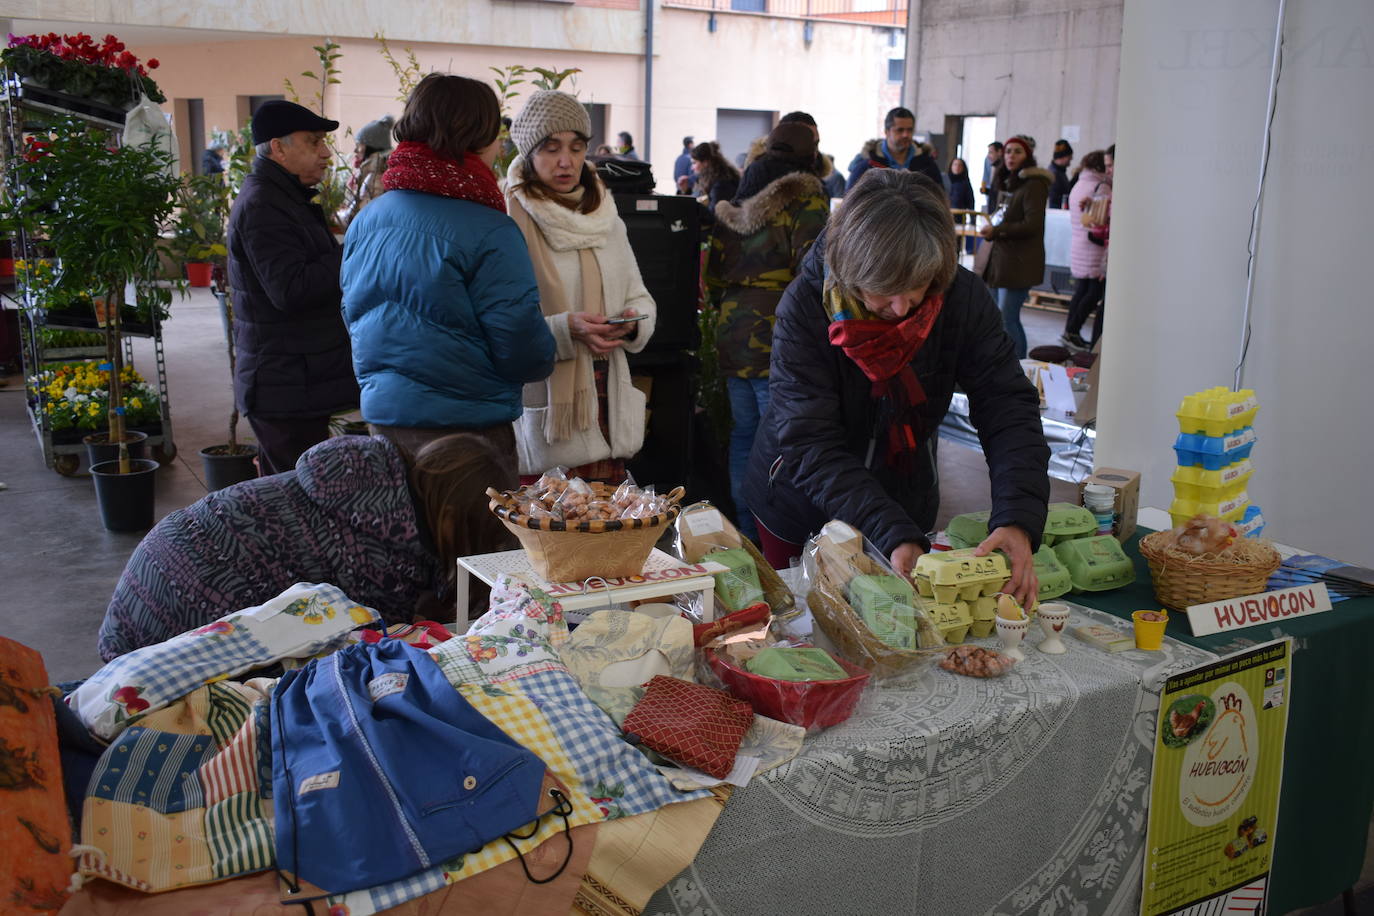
(587, 416)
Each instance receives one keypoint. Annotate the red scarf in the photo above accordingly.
(417, 167)
(884, 351)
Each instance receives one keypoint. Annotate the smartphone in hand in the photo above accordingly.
(625, 320)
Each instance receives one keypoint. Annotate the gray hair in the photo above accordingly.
(264, 149)
(893, 233)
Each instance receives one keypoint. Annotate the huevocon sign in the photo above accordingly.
(1253, 610)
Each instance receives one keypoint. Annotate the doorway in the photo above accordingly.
(969, 136)
(736, 128)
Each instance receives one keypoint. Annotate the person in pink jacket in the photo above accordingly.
(1087, 257)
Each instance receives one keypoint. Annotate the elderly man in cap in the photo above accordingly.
(294, 365)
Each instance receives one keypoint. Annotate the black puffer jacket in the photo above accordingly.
(294, 358)
(822, 423)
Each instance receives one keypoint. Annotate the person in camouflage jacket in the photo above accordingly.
(757, 245)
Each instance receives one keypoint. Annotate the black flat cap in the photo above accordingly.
(279, 117)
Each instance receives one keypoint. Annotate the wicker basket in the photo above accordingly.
(1181, 582)
(572, 552)
(846, 629)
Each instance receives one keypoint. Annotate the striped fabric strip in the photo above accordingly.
(234, 768)
(240, 835)
(228, 710)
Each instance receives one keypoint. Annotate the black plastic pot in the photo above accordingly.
(223, 469)
(126, 500)
(99, 448)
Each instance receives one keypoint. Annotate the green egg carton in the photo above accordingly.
(1065, 521)
(1054, 578)
(886, 605)
(969, 529)
(1096, 564)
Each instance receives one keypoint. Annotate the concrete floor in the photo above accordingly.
(58, 565)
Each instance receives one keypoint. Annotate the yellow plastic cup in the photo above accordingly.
(1149, 634)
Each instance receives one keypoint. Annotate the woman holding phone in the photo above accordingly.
(587, 416)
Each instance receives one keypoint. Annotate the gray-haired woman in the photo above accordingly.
(870, 340)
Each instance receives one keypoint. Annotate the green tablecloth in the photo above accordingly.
(1328, 791)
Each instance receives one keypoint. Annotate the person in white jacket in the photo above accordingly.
(587, 416)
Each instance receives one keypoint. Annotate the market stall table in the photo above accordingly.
(1020, 794)
(1328, 796)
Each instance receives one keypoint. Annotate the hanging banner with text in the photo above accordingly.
(1214, 792)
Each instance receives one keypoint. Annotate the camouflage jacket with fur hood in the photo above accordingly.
(756, 248)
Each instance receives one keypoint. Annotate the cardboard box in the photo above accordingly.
(1127, 487)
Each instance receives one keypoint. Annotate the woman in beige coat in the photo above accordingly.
(587, 416)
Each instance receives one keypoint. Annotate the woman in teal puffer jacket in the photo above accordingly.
(438, 292)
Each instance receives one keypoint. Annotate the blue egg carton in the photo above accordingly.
(1214, 452)
(1251, 525)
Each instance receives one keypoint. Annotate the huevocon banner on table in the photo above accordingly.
(1214, 794)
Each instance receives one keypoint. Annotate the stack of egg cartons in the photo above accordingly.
(1214, 444)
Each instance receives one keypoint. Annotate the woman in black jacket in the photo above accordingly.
(871, 339)
(961, 197)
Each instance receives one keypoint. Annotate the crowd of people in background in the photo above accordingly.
(482, 329)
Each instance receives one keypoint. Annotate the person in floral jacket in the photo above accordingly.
(757, 244)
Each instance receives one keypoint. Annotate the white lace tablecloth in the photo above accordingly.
(946, 794)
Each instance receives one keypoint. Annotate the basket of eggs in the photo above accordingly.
(573, 530)
(1205, 559)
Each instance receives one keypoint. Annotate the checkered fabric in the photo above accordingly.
(302, 621)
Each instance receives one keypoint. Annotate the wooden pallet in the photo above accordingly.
(1048, 301)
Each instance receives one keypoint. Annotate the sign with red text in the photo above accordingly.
(1253, 610)
(1214, 789)
(647, 577)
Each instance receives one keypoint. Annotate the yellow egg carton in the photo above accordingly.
(1230, 509)
(984, 612)
(1217, 411)
(952, 620)
(1197, 483)
(957, 575)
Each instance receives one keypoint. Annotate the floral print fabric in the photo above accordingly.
(302, 621)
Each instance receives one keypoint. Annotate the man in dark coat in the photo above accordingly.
(839, 441)
(212, 160)
(896, 150)
(294, 365)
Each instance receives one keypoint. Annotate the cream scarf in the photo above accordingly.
(548, 227)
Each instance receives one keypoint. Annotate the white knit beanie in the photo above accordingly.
(548, 112)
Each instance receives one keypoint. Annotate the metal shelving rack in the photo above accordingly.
(21, 102)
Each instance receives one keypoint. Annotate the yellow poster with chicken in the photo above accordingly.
(1214, 794)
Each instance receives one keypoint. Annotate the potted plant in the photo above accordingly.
(75, 65)
(233, 461)
(198, 236)
(102, 209)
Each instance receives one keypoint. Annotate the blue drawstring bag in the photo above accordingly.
(382, 769)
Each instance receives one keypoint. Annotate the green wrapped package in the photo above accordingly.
(737, 587)
(796, 664)
(886, 605)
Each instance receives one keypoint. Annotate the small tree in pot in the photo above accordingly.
(198, 239)
(102, 208)
(231, 462)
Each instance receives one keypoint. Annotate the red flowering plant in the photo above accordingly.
(106, 72)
